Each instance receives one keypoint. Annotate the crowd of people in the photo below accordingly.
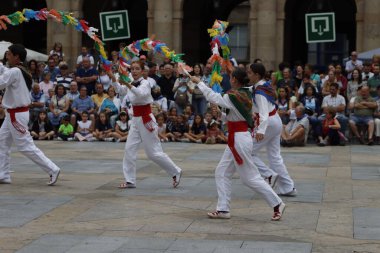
(80, 103)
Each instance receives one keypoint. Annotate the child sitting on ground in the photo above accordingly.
(161, 128)
(197, 131)
(178, 132)
(66, 130)
(122, 127)
(329, 133)
(42, 129)
(103, 130)
(84, 131)
(214, 134)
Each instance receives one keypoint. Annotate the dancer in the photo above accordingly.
(238, 154)
(16, 101)
(143, 129)
(268, 132)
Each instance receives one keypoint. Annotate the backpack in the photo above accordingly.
(181, 97)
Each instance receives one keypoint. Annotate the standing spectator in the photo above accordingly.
(296, 131)
(59, 106)
(353, 84)
(73, 92)
(64, 77)
(341, 80)
(66, 130)
(122, 127)
(46, 84)
(58, 50)
(82, 104)
(198, 130)
(338, 103)
(52, 69)
(166, 82)
(34, 71)
(314, 78)
(99, 96)
(37, 104)
(376, 116)
(181, 93)
(352, 64)
(374, 81)
(366, 74)
(85, 54)
(104, 79)
(87, 75)
(329, 135)
(364, 108)
(85, 128)
(42, 128)
(198, 100)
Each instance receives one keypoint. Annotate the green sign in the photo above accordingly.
(320, 27)
(114, 25)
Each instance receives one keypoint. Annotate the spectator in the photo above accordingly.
(161, 131)
(166, 82)
(189, 113)
(85, 128)
(160, 101)
(374, 81)
(58, 50)
(59, 106)
(66, 130)
(214, 134)
(46, 83)
(85, 54)
(153, 71)
(339, 103)
(122, 127)
(326, 85)
(42, 129)
(73, 92)
(34, 71)
(40, 70)
(37, 104)
(296, 131)
(99, 96)
(64, 77)
(376, 116)
(366, 74)
(364, 109)
(52, 69)
(198, 130)
(352, 64)
(181, 91)
(115, 61)
(329, 134)
(87, 75)
(198, 100)
(82, 104)
(51, 93)
(281, 67)
(284, 105)
(299, 76)
(310, 100)
(146, 76)
(104, 79)
(314, 78)
(287, 82)
(109, 107)
(341, 80)
(353, 84)
(181, 127)
(103, 129)
(161, 71)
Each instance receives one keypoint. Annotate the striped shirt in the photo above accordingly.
(64, 80)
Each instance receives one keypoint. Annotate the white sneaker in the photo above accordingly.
(70, 139)
(292, 193)
(5, 181)
(177, 179)
(59, 139)
(54, 177)
(109, 139)
(219, 215)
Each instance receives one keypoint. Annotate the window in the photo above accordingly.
(239, 42)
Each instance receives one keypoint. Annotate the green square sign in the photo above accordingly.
(320, 27)
(114, 25)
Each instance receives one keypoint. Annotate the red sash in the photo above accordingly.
(272, 113)
(12, 114)
(233, 127)
(144, 111)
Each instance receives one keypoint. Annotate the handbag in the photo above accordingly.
(197, 93)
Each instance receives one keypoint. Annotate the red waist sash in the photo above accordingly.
(144, 111)
(233, 127)
(12, 114)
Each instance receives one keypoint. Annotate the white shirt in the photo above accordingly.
(333, 101)
(263, 107)
(16, 93)
(350, 66)
(223, 101)
(80, 59)
(140, 95)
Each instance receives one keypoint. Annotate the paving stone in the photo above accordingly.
(275, 247)
(308, 192)
(366, 173)
(366, 223)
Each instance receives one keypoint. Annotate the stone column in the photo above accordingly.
(150, 17)
(280, 31)
(163, 17)
(253, 31)
(76, 37)
(266, 32)
(371, 36)
(359, 25)
(177, 25)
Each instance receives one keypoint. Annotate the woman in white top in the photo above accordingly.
(143, 129)
(104, 79)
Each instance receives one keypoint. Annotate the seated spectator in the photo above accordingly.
(87, 76)
(146, 76)
(66, 130)
(51, 68)
(214, 134)
(310, 100)
(207, 118)
(159, 100)
(122, 127)
(341, 80)
(326, 85)
(42, 129)
(64, 77)
(51, 93)
(59, 106)
(37, 102)
(46, 83)
(81, 104)
(374, 81)
(198, 130)
(34, 71)
(329, 133)
(287, 82)
(99, 96)
(85, 129)
(364, 108)
(161, 128)
(284, 104)
(376, 117)
(188, 112)
(339, 103)
(180, 128)
(103, 130)
(111, 106)
(296, 131)
(104, 79)
(85, 54)
(353, 84)
(366, 74)
(73, 92)
(216, 114)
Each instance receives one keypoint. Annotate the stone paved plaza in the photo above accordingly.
(337, 209)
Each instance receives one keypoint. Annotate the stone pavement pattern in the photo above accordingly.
(337, 209)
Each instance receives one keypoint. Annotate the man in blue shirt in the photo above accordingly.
(87, 75)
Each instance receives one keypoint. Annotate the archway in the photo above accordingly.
(137, 12)
(320, 54)
(31, 34)
(198, 16)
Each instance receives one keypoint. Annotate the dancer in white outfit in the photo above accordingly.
(143, 129)
(16, 80)
(268, 132)
(238, 154)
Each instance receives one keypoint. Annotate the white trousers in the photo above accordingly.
(248, 172)
(271, 142)
(153, 149)
(377, 127)
(24, 143)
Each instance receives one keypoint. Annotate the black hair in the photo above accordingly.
(58, 86)
(335, 85)
(240, 75)
(18, 49)
(257, 60)
(258, 68)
